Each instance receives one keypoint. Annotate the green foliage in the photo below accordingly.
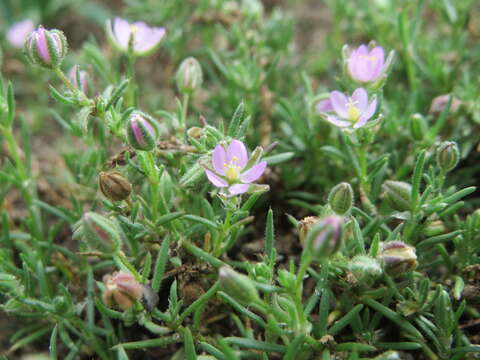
(214, 276)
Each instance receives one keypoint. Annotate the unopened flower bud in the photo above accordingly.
(286, 279)
(122, 290)
(46, 48)
(434, 228)
(189, 75)
(397, 257)
(142, 131)
(78, 78)
(418, 127)
(305, 225)
(447, 156)
(440, 103)
(365, 268)
(238, 286)
(114, 186)
(325, 237)
(340, 198)
(100, 232)
(397, 194)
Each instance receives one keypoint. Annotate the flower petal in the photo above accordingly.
(215, 179)
(238, 189)
(121, 30)
(219, 158)
(146, 37)
(370, 110)
(361, 122)
(339, 103)
(337, 122)
(360, 98)
(254, 173)
(237, 150)
(324, 106)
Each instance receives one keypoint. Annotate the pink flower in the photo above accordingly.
(144, 38)
(352, 111)
(231, 169)
(18, 32)
(366, 66)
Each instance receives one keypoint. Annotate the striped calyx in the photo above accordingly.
(142, 131)
(46, 48)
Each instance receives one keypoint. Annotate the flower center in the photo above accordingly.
(134, 28)
(232, 170)
(369, 58)
(353, 112)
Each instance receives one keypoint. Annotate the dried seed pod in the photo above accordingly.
(122, 290)
(114, 186)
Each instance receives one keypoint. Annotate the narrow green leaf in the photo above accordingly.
(160, 264)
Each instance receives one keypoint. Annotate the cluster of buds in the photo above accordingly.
(142, 131)
(46, 48)
(189, 75)
(397, 257)
(122, 290)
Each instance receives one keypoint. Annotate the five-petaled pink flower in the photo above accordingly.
(143, 38)
(352, 111)
(18, 32)
(366, 66)
(230, 168)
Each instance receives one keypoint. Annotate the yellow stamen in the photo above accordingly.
(369, 58)
(133, 28)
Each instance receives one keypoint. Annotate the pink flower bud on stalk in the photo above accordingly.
(348, 112)
(46, 48)
(18, 32)
(99, 232)
(189, 75)
(325, 237)
(78, 78)
(232, 170)
(137, 37)
(122, 290)
(142, 131)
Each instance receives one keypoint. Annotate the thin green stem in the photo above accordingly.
(183, 115)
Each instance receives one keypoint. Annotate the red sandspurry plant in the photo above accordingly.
(135, 221)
